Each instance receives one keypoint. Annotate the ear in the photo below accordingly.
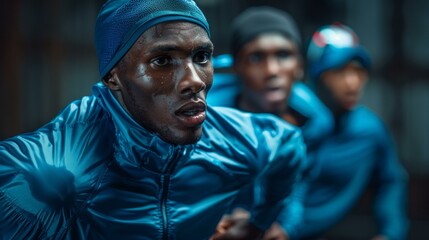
(111, 80)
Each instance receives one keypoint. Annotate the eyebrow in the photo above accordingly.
(164, 48)
(172, 47)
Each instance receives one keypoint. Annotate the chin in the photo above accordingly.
(274, 107)
(189, 137)
(349, 107)
(187, 141)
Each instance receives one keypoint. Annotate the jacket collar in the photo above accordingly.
(136, 146)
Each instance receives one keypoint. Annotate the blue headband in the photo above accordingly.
(121, 22)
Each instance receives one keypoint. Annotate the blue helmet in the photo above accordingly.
(332, 47)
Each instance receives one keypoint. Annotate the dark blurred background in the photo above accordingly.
(48, 59)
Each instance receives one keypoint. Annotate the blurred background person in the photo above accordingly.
(360, 152)
(267, 62)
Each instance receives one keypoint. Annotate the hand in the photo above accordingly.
(236, 227)
(380, 237)
(275, 232)
(222, 227)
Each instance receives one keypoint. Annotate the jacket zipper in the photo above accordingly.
(165, 183)
(165, 179)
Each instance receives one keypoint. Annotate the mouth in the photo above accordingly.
(350, 103)
(275, 94)
(192, 114)
(350, 100)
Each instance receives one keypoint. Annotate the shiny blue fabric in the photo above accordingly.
(318, 125)
(358, 154)
(344, 156)
(94, 173)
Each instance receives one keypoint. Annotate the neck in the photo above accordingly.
(283, 113)
(246, 105)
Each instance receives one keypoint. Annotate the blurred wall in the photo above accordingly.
(48, 59)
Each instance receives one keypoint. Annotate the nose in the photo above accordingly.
(271, 66)
(190, 83)
(353, 80)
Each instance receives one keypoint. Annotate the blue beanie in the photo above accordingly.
(121, 22)
(332, 47)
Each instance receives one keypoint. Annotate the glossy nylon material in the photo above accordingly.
(319, 124)
(360, 152)
(93, 173)
(359, 146)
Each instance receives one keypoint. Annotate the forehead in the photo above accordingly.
(269, 42)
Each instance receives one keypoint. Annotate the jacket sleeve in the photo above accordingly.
(16, 162)
(281, 161)
(291, 216)
(41, 173)
(25, 162)
(320, 122)
(391, 191)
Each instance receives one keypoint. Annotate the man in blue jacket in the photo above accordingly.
(359, 154)
(267, 62)
(144, 157)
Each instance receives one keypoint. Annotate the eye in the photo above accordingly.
(202, 57)
(284, 54)
(161, 61)
(255, 58)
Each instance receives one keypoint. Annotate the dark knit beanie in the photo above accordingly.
(258, 20)
(121, 22)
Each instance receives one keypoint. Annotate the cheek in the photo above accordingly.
(334, 84)
(336, 90)
(363, 82)
(253, 78)
(161, 105)
(155, 85)
(206, 75)
(290, 67)
(157, 114)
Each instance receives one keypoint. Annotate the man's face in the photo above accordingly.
(164, 78)
(341, 88)
(268, 66)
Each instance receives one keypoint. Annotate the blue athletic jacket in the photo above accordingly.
(94, 173)
(358, 155)
(345, 157)
(318, 124)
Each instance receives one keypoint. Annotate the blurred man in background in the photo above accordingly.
(360, 152)
(267, 63)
